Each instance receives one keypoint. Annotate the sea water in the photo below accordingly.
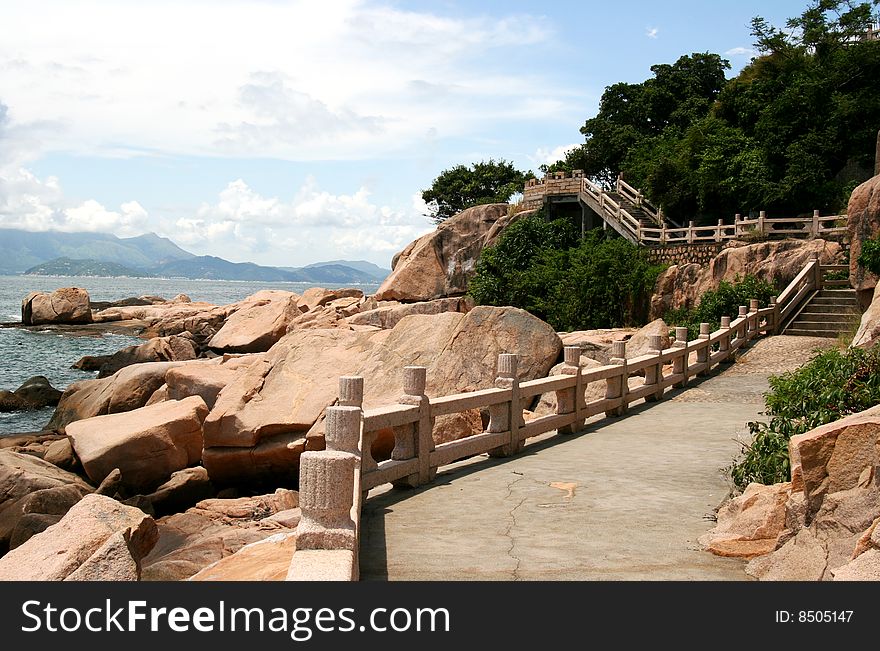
(26, 353)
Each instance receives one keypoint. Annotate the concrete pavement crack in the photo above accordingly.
(512, 515)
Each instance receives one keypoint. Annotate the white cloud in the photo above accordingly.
(341, 79)
(741, 51)
(651, 32)
(546, 156)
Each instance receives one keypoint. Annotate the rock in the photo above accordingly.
(870, 539)
(258, 324)
(11, 402)
(65, 305)
(777, 262)
(200, 319)
(596, 344)
(111, 484)
(212, 530)
(146, 445)
(866, 567)
(750, 525)
(264, 560)
(803, 558)
(326, 316)
(159, 395)
(205, 381)
(318, 296)
(182, 490)
(22, 477)
(259, 423)
(638, 345)
(159, 349)
(390, 316)
(869, 327)
(37, 392)
(29, 525)
(60, 453)
(863, 223)
(87, 540)
(441, 263)
(43, 508)
(127, 389)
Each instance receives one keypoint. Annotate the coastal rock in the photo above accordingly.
(43, 508)
(200, 319)
(751, 524)
(777, 262)
(265, 560)
(60, 453)
(869, 327)
(21, 477)
(205, 380)
(258, 324)
(98, 537)
(862, 223)
(212, 530)
(318, 296)
(146, 445)
(11, 402)
(866, 567)
(182, 490)
(65, 305)
(38, 392)
(389, 316)
(268, 409)
(174, 348)
(441, 263)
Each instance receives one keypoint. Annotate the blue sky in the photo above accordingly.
(286, 133)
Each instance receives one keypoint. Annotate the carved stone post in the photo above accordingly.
(724, 343)
(618, 385)
(703, 353)
(351, 391)
(742, 329)
(680, 363)
(654, 373)
(342, 429)
(415, 441)
(326, 496)
(507, 415)
(776, 316)
(761, 217)
(568, 400)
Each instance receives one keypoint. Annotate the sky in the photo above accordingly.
(292, 132)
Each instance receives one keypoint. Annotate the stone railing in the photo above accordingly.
(333, 482)
(660, 233)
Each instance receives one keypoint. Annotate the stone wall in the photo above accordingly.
(700, 254)
(552, 184)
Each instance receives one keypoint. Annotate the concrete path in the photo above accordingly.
(626, 499)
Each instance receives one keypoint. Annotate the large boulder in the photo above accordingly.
(174, 317)
(863, 223)
(174, 348)
(751, 524)
(869, 327)
(23, 476)
(441, 263)
(38, 393)
(146, 445)
(205, 380)
(215, 529)
(265, 560)
(387, 317)
(98, 539)
(258, 426)
(258, 324)
(319, 296)
(777, 262)
(65, 305)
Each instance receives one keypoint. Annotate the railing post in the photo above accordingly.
(326, 485)
(818, 276)
(568, 401)
(663, 232)
(654, 373)
(618, 385)
(744, 326)
(724, 342)
(703, 353)
(507, 416)
(814, 228)
(761, 216)
(718, 231)
(690, 232)
(737, 227)
(754, 306)
(351, 391)
(415, 441)
(680, 363)
(776, 315)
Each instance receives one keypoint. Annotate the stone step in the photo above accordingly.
(827, 300)
(802, 332)
(843, 310)
(820, 325)
(810, 314)
(837, 293)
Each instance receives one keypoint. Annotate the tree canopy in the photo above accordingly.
(461, 187)
(794, 131)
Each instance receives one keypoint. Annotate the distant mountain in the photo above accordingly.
(209, 267)
(69, 267)
(21, 250)
(340, 271)
(369, 268)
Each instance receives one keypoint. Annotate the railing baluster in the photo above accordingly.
(617, 385)
(507, 416)
(568, 400)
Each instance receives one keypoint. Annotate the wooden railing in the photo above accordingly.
(334, 482)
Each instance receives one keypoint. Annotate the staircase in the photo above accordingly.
(828, 313)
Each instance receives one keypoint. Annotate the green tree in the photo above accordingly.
(461, 187)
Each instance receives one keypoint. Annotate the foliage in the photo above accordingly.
(829, 387)
(724, 301)
(794, 131)
(869, 258)
(545, 268)
(462, 187)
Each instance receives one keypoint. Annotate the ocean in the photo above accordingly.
(24, 354)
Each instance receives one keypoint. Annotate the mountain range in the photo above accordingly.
(92, 254)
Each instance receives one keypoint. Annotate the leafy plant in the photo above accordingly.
(869, 258)
(462, 187)
(832, 385)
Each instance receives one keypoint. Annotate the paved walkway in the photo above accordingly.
(626, 499)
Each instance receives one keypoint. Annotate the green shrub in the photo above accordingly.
(724, 301)
(869, 258)
(572, 283)
(832, 385)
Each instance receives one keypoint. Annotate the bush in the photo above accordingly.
(832, 385)
(869, 258)
(724, 301)
(572, 283)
